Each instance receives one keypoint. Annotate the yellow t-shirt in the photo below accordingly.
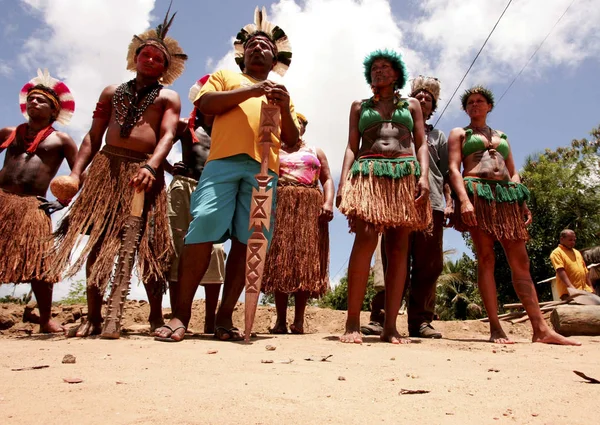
(236, 131)
(572, 261)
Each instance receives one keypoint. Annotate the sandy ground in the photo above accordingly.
(136, 380)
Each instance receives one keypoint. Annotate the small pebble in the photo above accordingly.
(212, 351)
(270, 348)
(69, 358)
(341, 378)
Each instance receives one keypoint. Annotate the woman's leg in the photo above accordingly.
(396, 249)
(359, 268)
(518, 260)
(301, 298)
(486, 259)
(281, 305)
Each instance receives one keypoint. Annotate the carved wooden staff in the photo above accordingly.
(122, 275)
(260, 216)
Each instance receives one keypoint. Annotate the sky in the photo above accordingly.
(554, 100)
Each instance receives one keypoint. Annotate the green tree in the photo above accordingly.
(337, 298)
(457, 295)
(565, 193)
(77, 293)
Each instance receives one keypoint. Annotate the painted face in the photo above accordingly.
(383, 73)
(151, 62)
(259, 52)
(40, 107)
(426, 101)
(477, 105)
(569, 240)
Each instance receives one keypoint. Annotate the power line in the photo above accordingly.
(535, 52)
(473, 63)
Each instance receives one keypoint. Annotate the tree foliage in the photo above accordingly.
(337, 298)
(457, 295)
(565, 193)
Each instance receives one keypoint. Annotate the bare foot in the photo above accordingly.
(393, 337)
(86, 329)
(499, 337)
(297, 329)
(174, 330)
(51, 327)
(552, 337)
(279, 328)
(351, 337)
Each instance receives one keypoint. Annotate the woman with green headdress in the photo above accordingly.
(492, 206)
(383, 188)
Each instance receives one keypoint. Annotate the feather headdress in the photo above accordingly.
(169, 46)
(57, 91)
(394, 58)
(283, 48)
(429, 84)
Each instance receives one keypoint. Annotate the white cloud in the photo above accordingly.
(85, 44)
(5, 69)
(331, 37)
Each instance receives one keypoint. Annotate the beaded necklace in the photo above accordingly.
(125, 102)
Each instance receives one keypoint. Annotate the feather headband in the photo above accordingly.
(57, 91)
(157, 37)
(394, 58)
(485, 92)
(283, 48)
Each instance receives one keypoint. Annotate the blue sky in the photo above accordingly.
(556, 99)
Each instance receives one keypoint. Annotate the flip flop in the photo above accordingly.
(234, 334)
(373, 328)
(168, 338)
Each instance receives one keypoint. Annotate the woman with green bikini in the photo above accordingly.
(492, 206)
(383, 187)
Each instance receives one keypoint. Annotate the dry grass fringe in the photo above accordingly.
(101, 211)
(385, 202)
(298, 259)
(25, 242)
(502, 220)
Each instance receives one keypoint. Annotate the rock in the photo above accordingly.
(30, 314)
(6, 321)
(77, 314)
(69, 318)
(341, 378)
(69, 359)
(67, 308)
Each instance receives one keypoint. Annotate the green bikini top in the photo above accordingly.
(475, 143)
(370, 117)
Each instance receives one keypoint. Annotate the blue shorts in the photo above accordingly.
(220, 205)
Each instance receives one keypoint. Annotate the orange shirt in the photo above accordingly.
(236, 131)
(572, 261)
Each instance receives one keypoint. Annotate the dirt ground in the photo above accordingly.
(137, 380)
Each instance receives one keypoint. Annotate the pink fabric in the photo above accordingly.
(302, 166)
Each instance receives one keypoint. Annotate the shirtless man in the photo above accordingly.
(33, 155)
(194, 152)
(140, 119)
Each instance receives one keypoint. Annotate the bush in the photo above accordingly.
(337, 298)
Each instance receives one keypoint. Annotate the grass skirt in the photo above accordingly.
(26, 240)
(381, 192)
(101, 211)
(298, 259)
(497, 208)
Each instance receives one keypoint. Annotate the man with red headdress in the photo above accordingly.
(34, 153)
(140, 119)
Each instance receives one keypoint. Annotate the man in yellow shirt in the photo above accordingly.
(221, 203)
(571, 271)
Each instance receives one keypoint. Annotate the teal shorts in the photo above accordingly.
(220, 205)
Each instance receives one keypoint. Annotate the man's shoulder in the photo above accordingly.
(5, 132)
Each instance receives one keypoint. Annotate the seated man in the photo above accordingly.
(571, 271)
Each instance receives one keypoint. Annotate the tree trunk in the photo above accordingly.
(576, 320)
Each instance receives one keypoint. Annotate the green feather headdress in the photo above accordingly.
(170, 47)
(489, 96)
(394, 58)
(283, 48)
